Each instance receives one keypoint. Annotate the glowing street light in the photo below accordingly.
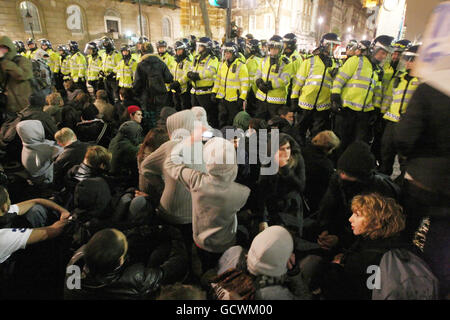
(320, 20)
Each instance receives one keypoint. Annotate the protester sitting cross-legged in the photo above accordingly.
(105, 109)
(53, 107)
(91, 129)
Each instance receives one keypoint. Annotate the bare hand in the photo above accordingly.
(64, 215)
(291, 262)
(338, 258)
(327, 241)
(138, 193)
(263, 226)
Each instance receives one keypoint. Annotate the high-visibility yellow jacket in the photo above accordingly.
(32, 54)
(403, 88)
(65, 67)
(252, 67)
(232, 81)
(111, 61)
(169, 60)
(78, 66)
(179, 71)
(313, 84)
(388, 76)
(53, 62)
(297, 60)
(279, 74)
(125, 73)
(136, 56)
(95, 65)
(358, 84)
(206, 67)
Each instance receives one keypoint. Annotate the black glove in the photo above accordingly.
(194, 76)
(268, 85)
(175, 86)
(259, 83)
(213, 98)
(101, 74)
(336, 103)
(374, 116)
(294, 104)
(111, 76)
(241, 104)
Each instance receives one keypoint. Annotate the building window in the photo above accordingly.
(239, 21)
(238, 4)
(252, 23)
(166, 28)
(144, 25)
(112, 21)
(268, 22)
(74, 19)
(33, 22)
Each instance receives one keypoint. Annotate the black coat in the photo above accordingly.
(91, 131)
(72, 155)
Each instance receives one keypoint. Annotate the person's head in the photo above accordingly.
(45, 44)
(180, 50)
(125, 50)
(98, 157)
(106, 251)
(329, 43)
(376, 217)
(409, 57)
(327, 141)
(380, 48)
(220, 158)
(102, 95)
(286, 145)
(31, 44)
(135, 113)
(275, 46)
(356, 163)
(68, 84)
(5, 202)
(3, 50)
(161, 46)
(140, 43)
(242, 120)
(65, 136)
(289, 43)
(286, 113)
(152, 141)
(179, 291)
(363, 48)
(124, 94)
(399, 47)
(54, 99)
(352, 45)
(89, 112)
(204, 45)
(230, 51)
(73, 46)
(256, 124)
(81, 99)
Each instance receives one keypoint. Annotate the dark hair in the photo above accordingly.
(152, 141)
(179, 291)
(89, 111)
(283, 111)
(257, 124)
(102, 95)
(103, 251)
(3, 196)
(126, 93)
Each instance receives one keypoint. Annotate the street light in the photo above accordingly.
(29, 18)
(320, 28)
(349, 29)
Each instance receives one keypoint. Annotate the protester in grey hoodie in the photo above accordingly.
(38, 153)
(216, 198)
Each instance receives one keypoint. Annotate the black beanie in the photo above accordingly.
(357, 160)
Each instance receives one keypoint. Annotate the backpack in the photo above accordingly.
(405, 276)
(42, 80)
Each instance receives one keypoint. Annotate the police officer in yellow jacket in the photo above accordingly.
(169, 60)
(95, 65)
(253, 55)
(402, 87)
(77, 65)
(356, 93)
(179, 69)
(202, 75)
(111, 60)
(20, 47)
(231, 85)
(53, 61)
(32, 49)
(312, 88)
(126, 68)
(272, 79)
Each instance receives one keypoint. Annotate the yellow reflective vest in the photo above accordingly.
(232, 81)
(111, 61)
(252, 67)
(403, 88)
(313, 84)
(206, 67)
(53, 61)
(65, 66)
(358, 84)
(125, 73)
(297, 60)
(77, 66)
(279, 74)
(32, 54)
(179, 71)
(95, 65)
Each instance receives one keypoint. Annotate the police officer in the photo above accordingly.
(139, 44)
(32, 49)
(179, 69)
(253, 55)
(356, 92)
(290, 50)
(77, 66)
(272, 79)
(126, 68)
(202, 74)
(312, 88)
(53, 61)
(231, 85)
(20, 47)
(95, 65)
(169, 60)
(111, 60)
(350, 50)
(402, 87)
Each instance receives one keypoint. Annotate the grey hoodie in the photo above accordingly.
(216, 198)
(38, 153)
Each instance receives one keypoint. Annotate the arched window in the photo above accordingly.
(74, 19)
(144, 25)
(166, 27)
(112, 21)
(30, 17)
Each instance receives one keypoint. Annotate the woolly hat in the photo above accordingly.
(357, 160)
(133, 109)
(242, 120)
(270, 252)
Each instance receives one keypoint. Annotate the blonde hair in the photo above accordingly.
(326, 140)
(54, 99)
(384, 216)
(64, 135)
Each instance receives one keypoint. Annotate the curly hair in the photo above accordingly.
(384, 215)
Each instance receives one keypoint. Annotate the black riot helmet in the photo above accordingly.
(328, 42)
(254, 47)
(45, 42)
(382, 42)
(73, 46)
(20, 46)
(206, 43)
(290, 42)
(108, 44)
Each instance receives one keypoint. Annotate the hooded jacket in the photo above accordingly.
(200, 115)
(15, 73)
(154, 178)
(37, 152)
(216, 198)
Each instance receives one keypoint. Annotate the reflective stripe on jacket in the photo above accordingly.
(232, 82)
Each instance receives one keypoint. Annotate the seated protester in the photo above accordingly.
(38, 154)
(92, 129)
(71, 112)
(71, 90)
(289, 126)
(135, 114)
(355, 175)
(152, 141)
(164, 114)
(280, 193)
(53, 107)
(376, 222)
(242, 120)
(73, 154)
(318, 167)
(236, 137)
(32, 213)
(124, 148)
(260, 273)
(200, 115)
(113, 267)
(216, 198)
(126, 99)
(105, 109)
(179, 291)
